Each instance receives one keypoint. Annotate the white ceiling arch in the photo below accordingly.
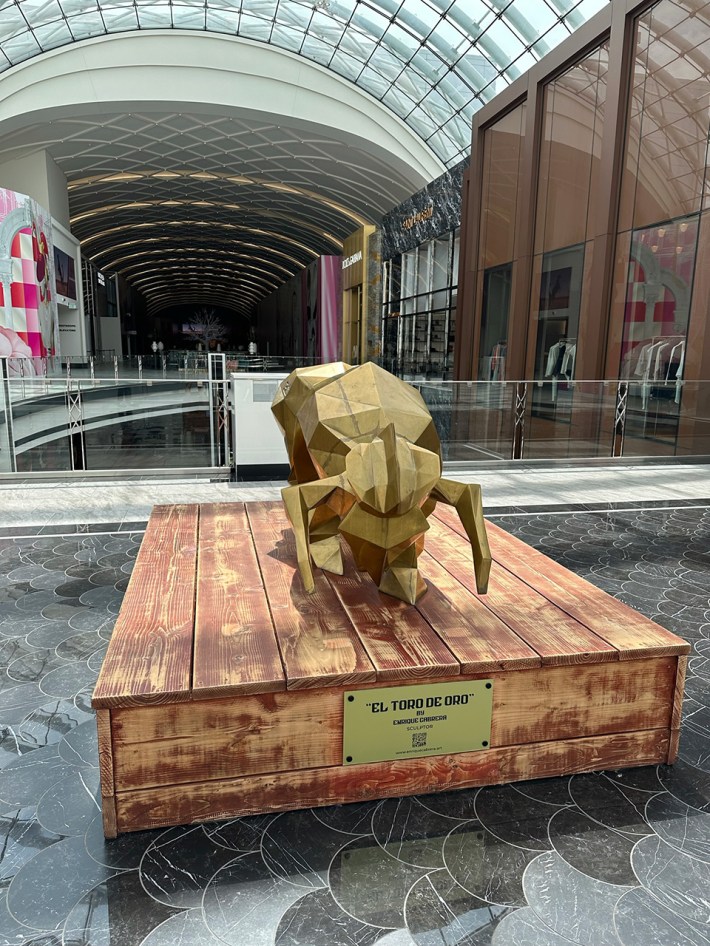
(431, 62)
(271, 127)
(222, 146)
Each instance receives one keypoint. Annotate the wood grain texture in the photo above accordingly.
(318, 643)
(235, 649)
(105, 744)
(108, 816)
(677, 710)
(479, 640)
(401, 644)
(673, 746)
(284, 791)
(149, 659)
(219, 739)
(631, 633)
(549, 631)
(565, 701)
(166, 745)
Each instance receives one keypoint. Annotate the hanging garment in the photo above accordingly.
(552, 359)
(557, 370)
(567, 368)
(679, 372)
(497, 365)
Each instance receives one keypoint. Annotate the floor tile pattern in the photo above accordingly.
(611, 859)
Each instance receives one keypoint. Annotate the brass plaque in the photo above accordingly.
(408, 722)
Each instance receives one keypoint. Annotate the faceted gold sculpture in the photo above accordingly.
(366, 464)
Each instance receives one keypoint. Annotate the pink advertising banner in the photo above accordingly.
(330, 307)
(28, 310)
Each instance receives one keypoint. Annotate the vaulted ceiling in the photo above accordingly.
(189, 202)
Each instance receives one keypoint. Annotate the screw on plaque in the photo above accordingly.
(348, 758)
(350, 699)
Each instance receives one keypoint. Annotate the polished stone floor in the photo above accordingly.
(611, 859)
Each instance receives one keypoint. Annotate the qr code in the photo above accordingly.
(418, 740)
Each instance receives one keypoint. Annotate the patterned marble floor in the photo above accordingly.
(612, 859)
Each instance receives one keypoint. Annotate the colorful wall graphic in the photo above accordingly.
(28, 309)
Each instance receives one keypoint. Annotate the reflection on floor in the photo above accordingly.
(612, 859)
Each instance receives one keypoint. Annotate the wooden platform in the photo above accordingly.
(222, 690)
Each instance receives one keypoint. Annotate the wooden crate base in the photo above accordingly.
(333, 785)
(254, 721)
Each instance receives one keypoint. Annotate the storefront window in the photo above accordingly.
(660, 276)
(668, 119)
(494, 323)
(564, 221)
(558, 315)
(502, 192)
(418, 311)
(658, 292)
(409, 273)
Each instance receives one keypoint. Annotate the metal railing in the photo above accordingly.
(158, 419)
(89, 424)
(569, 420)
(167, 364)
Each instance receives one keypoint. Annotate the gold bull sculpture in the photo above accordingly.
(366, 464)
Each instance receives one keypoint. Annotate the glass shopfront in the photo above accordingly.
(564, 235)
(420, 294)
(500, 198)
(586, 238)
(662, 207)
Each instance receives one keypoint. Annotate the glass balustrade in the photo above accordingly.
(83, 422)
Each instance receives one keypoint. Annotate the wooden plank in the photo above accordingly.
(479, 640)
(631, 633)
(319, 646)
(108, 816)
(235, 649)
(677, 710)
(217, 739)
(582, 700)
(103, 729)
(149, 659)
(549, 631)
(108, 797)
(402, 645)
(165, 745)
(673, 746)
(284, 791)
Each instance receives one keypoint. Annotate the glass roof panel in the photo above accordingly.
(287, 38)
(120, 18)
(222, 21)
(433, 62)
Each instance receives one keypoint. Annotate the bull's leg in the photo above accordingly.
(401, 576)
(466, 500)
(299, 501)
(324, 539)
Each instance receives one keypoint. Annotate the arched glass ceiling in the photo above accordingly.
(433, 62)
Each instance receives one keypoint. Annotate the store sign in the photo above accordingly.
(391, 723)
(351, 260)
(420, 217)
